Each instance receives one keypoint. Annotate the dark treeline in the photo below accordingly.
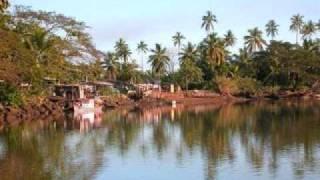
(38, 45)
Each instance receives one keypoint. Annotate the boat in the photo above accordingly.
(76, 97)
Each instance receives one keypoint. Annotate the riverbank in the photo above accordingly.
(52, 111)
(193, 98)
(32, 111)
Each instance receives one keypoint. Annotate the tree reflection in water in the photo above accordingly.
(263, 136)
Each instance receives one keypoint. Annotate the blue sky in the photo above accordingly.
(156, 21)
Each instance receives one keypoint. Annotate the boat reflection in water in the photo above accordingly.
(262, 140)
(84, 119)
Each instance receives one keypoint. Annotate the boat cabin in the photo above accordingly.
(73, 92)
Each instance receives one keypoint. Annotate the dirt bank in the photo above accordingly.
(193, 98)
(46, 110)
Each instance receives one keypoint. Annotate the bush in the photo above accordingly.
(248, 86)
(108, 92)
(9, 95)
(226, 86)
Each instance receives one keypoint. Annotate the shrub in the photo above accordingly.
(248, 86)
(108, 92)
(9, 95)
(226, 86)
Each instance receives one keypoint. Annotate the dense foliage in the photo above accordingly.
(36, 46)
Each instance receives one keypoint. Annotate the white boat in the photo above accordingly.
(77, 97)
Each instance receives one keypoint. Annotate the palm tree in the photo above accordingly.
(4, 4)
(229, 38)
(122, 50)
(189, 53)
(296, 25)
(208, 20)
(39, 42)
(111, 65)
(318, 25)
(159, 60)
(177, 40)
(308, 30)
(272, 29)
(254, 40)
(214, 50)
(188, 68)
(142, 49)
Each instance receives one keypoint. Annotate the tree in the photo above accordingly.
(208, 21)
(318, 25)
(4, 4)
(111, 65)
(254, 40)
(142, 49)
(272, 29)
(296, 25)
(177, 40)
(122, 50)
(189, 52)
(214, 50)
(308, 30)
(188, 69)
(40, 42)
(159, 60)
(71, 36)
(189, 72)
(129, 73)
(229, 38)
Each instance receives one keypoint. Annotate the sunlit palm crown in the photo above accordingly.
(309, 29)
(214, 49)
(111, 65)
(189, 53)
(272, 28)
(4, 4)
(296, 23)
(229, 38)
(122, 50)
(177, 39)
(208, 20)
(254, 40)
(142, 47)
(159, 59)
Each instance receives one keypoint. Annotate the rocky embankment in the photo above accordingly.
(45, 111)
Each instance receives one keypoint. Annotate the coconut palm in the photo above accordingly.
(4, 4)
(208, 21)
(296, 25)
(177, 40)
(308, 30)
(122, 50)
(229, 38)
(142, 49)
(214, 50)
(189, 53)
(272, 29)
(39, 42)
(111, 65)
(159, 60)
(254, 40)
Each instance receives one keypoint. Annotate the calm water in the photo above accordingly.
(252, 141)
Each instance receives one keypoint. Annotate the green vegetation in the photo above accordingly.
(35, 45)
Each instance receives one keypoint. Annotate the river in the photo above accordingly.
(266, 140)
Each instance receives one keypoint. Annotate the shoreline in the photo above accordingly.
(53, 111)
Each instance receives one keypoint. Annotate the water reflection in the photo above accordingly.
(261, 140)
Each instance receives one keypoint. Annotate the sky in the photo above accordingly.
(157, 21)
